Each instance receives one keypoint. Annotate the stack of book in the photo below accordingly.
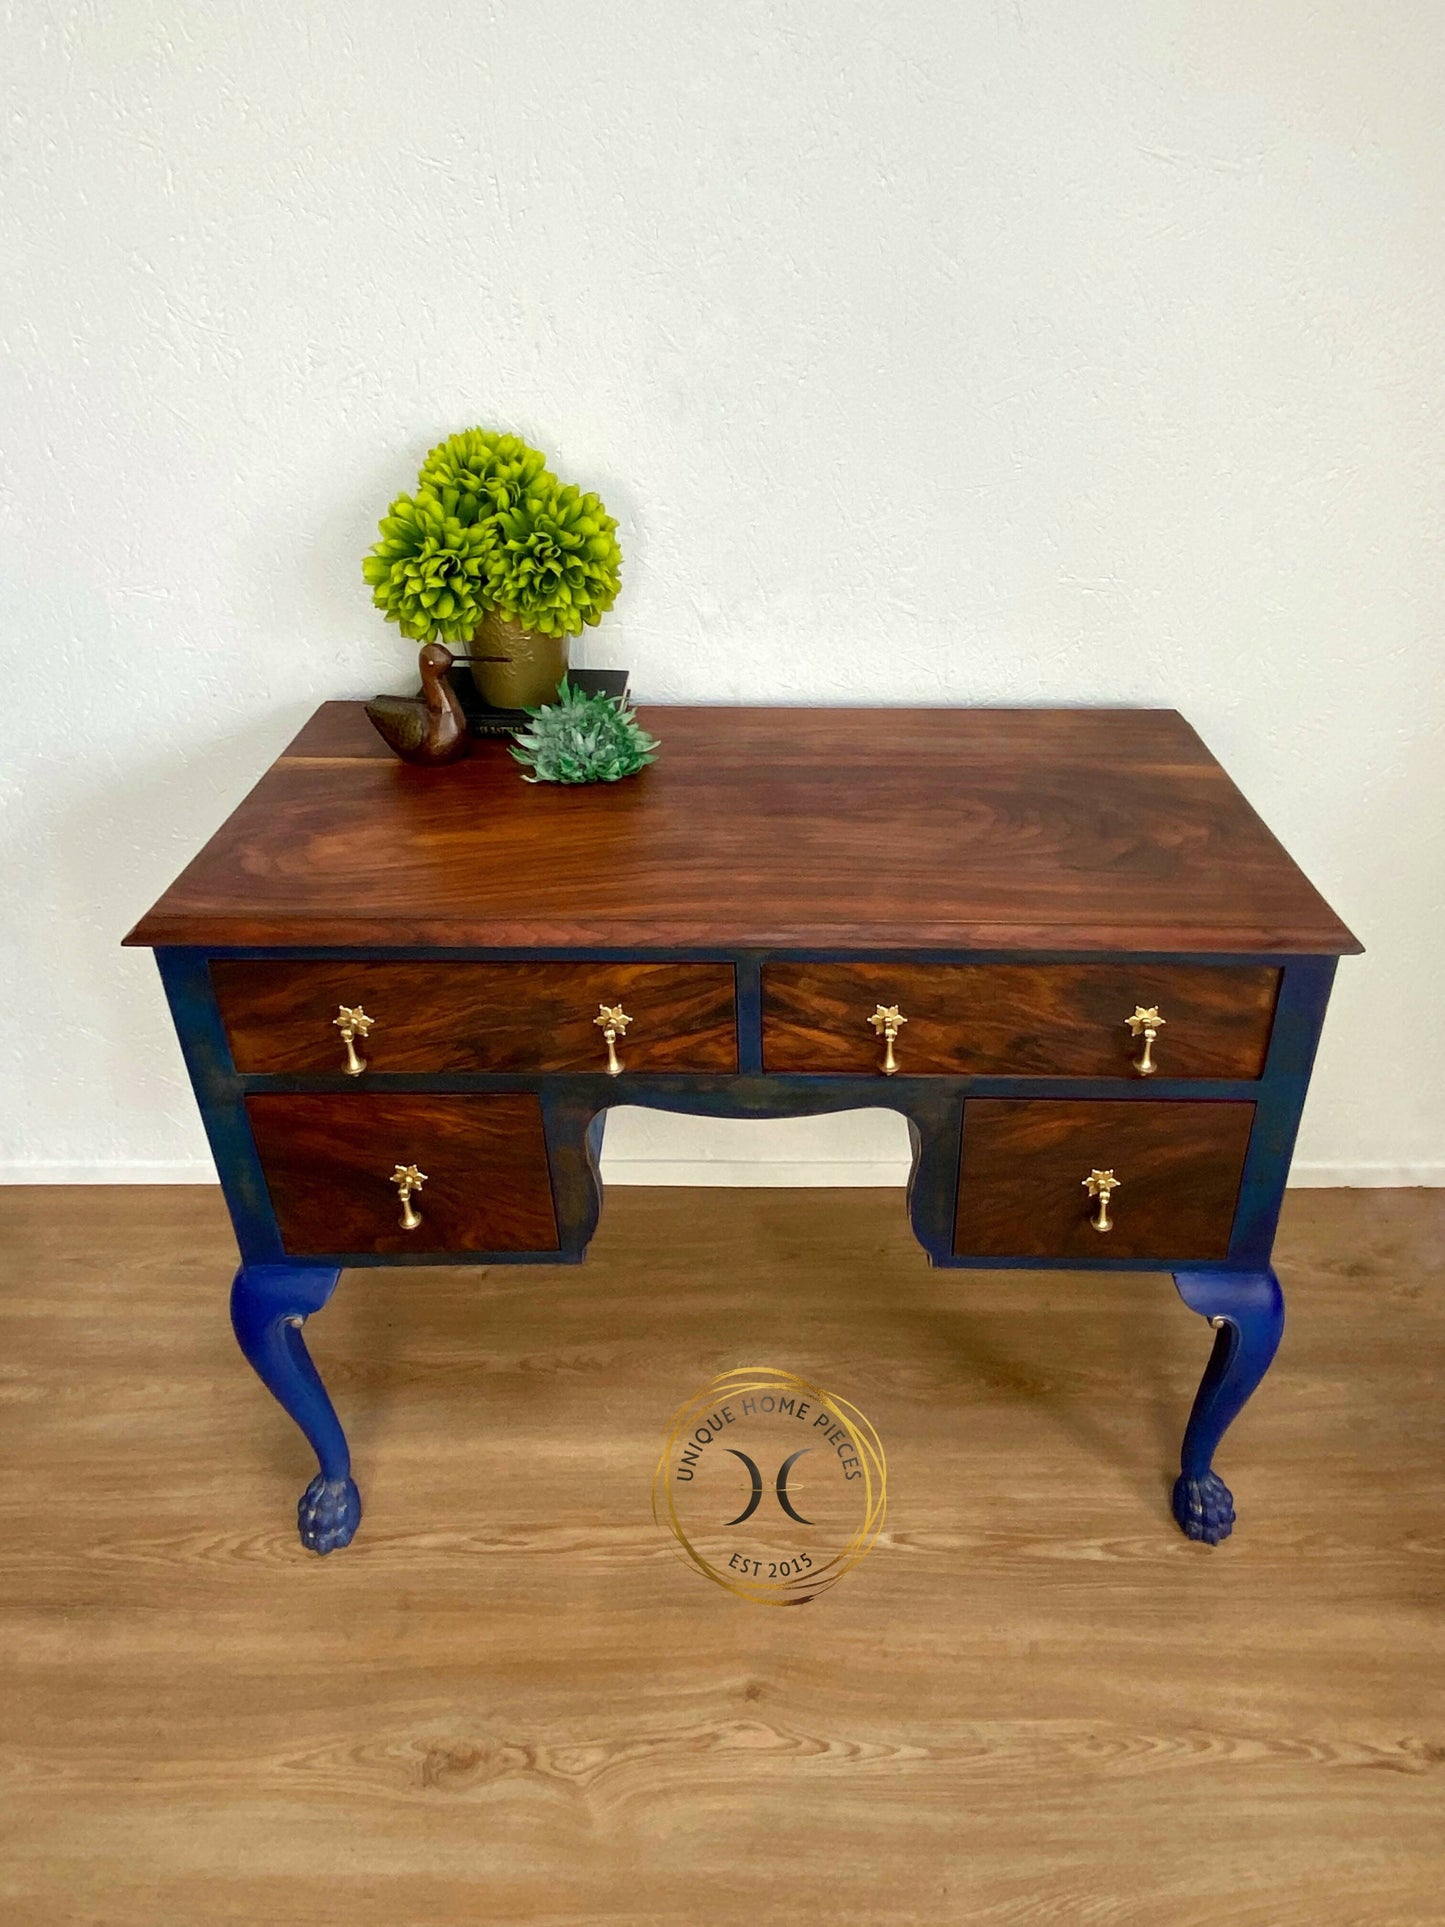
(484, 720)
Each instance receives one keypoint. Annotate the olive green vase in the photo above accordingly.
(525, 668)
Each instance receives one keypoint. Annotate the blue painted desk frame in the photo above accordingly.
(275, 1293)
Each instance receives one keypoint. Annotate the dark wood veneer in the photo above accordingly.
(328, 1158)
(477, 1016)
(1095, 830)
(1048, 1020)
(1021, 1191)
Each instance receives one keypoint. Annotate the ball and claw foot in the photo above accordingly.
(328, 1513)
(1204, 1508)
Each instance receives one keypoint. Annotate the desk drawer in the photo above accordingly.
(1019, 1020)
(330, 1161)
(1022, 1177)
(280, 1017)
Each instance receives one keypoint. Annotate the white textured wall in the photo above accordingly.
(937, 352)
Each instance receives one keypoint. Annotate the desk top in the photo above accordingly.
(830, 829)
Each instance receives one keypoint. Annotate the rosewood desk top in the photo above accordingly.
(1065, 830)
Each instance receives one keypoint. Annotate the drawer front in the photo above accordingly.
(329, 1160)
(1019, 1020)
(280, 1017)
(1021, 1183)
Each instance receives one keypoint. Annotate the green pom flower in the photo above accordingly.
(583, 739)
(428, 572)
(489, 472)
(555, 564)
(490, 527)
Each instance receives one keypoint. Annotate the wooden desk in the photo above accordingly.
(1016, 885)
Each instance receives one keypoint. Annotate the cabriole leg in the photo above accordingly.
(269, 1305)
(1246, 1310)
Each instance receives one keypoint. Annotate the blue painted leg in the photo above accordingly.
(1246, 1310)
(269, 1304)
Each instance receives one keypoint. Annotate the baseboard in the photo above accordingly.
(701, 1171)
(109, 1171)
(1306, 1176)
(833, 1173)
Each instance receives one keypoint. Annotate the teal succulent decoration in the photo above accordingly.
(583, 739)
(555, 563)
(429, 570)
(489, 472)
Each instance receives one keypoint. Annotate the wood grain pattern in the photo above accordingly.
(478, 1016)
(1095, 830)
(1033, 1704)
(1061, 1020)
(1021, 1194)
(328, 1159)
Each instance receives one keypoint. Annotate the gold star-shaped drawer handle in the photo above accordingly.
(408, 1179)
(612, 1020)
(1099, 1184)
(353, 1022)
(886, 1021)
(1148, 1022)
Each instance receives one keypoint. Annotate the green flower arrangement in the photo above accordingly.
(429, 570)
(555, 563)
(583, 739)
(489, 528)
(489, 472)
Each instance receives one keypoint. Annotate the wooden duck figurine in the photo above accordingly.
(431, 728)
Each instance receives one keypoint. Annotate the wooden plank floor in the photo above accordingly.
(509, 1701)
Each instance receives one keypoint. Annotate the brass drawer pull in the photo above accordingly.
(1099, 1184)
(407, 1179)
(1150, 1023)
(353, 1024)
(886, 1021)
(612, 1020)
